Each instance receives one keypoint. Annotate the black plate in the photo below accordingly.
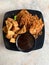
(38, 42)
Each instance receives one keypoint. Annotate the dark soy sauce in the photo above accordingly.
(26, 41)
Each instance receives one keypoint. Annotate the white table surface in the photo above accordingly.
(38, 57)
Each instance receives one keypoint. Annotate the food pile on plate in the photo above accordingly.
(21, 23)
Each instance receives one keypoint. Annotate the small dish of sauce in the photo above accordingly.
(25, 42)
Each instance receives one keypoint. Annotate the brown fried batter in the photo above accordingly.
(8, 24)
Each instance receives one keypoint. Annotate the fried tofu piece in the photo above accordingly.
(8, 25)
(23, 30)
(12, 40)
(15, 29)
(10, 19)
(15, 23)
(5, 29)
(15, 35)
(10, 34)
(10, 29)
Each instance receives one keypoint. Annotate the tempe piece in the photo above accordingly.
(23, 30)
(5, 29)
(8, 24)
(12, 40)
(10, 34)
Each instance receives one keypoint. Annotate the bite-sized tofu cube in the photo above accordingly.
(15, 29)
(12, 40)
(15, 23)
(8, 25)
(23, 30)
(10, 19)
(10, 34)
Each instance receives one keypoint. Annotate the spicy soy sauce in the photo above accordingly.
(26, 41)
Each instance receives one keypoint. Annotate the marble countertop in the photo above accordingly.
(38, 57)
